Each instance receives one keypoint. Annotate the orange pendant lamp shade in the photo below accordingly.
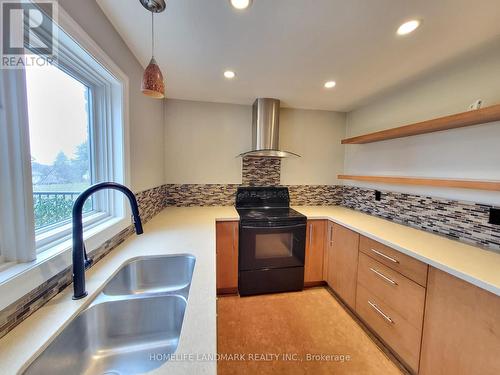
(152, 81)
(152, 84)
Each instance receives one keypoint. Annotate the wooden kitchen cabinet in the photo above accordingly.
(392, 305)
(227, 256)
(343, 263)
(461, 328)
(315, 251)
(404, 264)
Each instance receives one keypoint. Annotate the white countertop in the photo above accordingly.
(473, 264)
(192, 230)
(174, 231)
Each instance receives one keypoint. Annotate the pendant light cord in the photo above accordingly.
(152, 35)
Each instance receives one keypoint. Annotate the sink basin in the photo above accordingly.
(129, 328)
(118, 337)
(153, 275)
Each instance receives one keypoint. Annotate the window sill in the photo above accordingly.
(18, 279)
(49, 239)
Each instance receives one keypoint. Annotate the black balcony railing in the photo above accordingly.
(52, 207)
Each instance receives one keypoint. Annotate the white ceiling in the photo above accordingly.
(288, 48)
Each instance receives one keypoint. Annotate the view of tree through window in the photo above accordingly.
(58, 112)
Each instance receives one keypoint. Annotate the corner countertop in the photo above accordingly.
(192, 230)
(477, 266)
(173, 231)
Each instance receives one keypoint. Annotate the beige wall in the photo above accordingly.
(463, 153)
(203, 139)
(195, 142)
(146, 114)
(315, 135)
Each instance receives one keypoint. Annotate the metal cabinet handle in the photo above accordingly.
(331, 235)
(380, 274)
(393, 260)
(311, 228)
(377, 309)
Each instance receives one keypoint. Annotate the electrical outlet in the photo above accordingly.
(476, 105)
(378, 195)
(494, 216)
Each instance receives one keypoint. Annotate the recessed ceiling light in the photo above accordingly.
(229, 74)
(408, 27)
(330, 84)
(240, 4)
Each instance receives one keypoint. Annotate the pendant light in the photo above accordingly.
(152, 79)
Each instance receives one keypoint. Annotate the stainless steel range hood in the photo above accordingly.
(265, 130)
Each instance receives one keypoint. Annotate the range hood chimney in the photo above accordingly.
(265, 130)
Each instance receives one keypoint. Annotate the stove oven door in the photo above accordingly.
(271, 245)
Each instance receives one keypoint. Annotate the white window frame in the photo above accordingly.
(49, 236)
(106, 154)
(18, 278)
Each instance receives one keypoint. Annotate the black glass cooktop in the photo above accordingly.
(269, 214)
(265, 204)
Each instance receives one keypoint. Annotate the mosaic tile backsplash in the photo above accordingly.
(225, 195)
(261, 171)
(463, 221)
(151, 202)
(315, 195)
(189, 195)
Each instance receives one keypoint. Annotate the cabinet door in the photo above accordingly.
(343, 264)
(461, 328)
(227, 256)
(315, 251)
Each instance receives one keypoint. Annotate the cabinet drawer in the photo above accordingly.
(404, 264)
(392, 328)
(404, 296)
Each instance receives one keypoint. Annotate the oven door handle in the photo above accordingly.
(281, 227)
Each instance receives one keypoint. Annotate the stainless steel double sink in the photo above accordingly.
(131, 327)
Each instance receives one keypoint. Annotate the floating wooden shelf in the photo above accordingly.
(459, 120)
(462, 184)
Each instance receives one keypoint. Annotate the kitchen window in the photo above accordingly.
(63, 128)
(60, 147)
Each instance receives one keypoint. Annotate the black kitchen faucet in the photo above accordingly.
(80, 260)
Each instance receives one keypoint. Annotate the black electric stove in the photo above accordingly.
(269, 214)
(271, 241)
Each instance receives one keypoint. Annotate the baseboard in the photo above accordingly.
(226, 291)
(312, 284)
